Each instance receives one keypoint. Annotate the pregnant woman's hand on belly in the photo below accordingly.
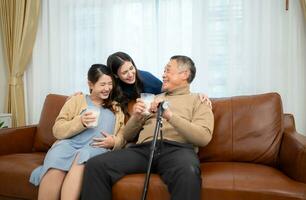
(105, 141)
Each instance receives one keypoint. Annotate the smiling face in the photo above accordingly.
(174, 77)
(102, 88)
(127, 73)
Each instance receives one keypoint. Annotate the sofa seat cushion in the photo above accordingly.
(221, 180)
(234, 180)
(132, 186)
(15, 170)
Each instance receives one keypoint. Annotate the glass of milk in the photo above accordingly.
(147, 98)
(95, 111)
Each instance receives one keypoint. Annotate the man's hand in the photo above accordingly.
(167, 114)
(139, 108)
(107, 141)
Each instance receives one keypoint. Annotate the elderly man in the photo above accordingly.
(187, 124)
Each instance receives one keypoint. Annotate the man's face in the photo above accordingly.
(173, 76)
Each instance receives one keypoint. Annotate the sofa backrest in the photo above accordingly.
(52, 106)
(247, 129)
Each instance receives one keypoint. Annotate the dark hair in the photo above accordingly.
(129, 91)
(186, 62)
(93, 75)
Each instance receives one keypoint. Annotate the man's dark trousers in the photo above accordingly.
(176, 163)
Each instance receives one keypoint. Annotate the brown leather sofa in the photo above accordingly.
(255, 154)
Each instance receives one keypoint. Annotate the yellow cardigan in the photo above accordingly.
(68, 123)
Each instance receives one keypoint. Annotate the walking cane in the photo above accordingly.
(153, 144)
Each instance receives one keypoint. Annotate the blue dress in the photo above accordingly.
(62, 154)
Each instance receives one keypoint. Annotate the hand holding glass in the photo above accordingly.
(147, 98)
(95, 112)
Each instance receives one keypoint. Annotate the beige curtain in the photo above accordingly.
(303, 4)
(18, 24)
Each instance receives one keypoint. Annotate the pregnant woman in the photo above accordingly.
(61, 174)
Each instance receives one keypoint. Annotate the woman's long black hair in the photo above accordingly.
(129, 91)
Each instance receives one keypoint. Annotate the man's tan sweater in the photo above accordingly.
(192, 121)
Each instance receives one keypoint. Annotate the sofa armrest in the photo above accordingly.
(292, 157)
(17, 140)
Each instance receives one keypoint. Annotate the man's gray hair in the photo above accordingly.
(184, 62)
